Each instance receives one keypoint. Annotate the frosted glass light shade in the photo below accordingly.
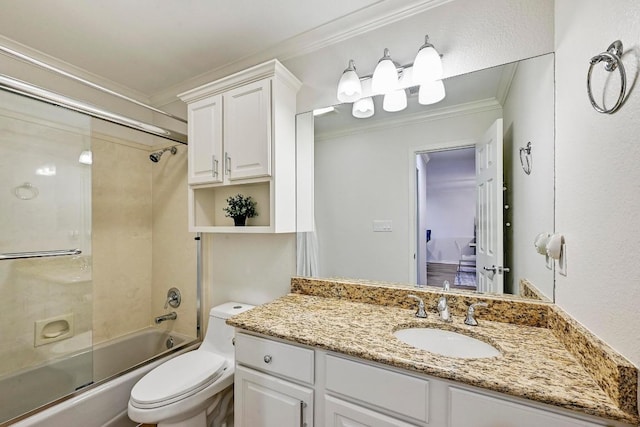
(363, 108)
(431, 92)
(349, 86)
(395, 101)
(385, 76)
(427, 66)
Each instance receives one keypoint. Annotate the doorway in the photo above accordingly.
(446, 195)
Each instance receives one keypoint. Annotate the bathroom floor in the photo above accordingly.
(437, 273)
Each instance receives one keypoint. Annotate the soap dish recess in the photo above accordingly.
(53, 329)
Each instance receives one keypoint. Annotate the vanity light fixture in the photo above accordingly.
(349, 86)
(427, 66)
(324, 110)
(391, 80)
(431, 92)
(395, 101)
(86, 157)
(385, 76)
(363, 108)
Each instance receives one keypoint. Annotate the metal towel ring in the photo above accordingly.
(527, 152)
(612, 61)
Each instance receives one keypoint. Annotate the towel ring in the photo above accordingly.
(612, 61)
(527, 152)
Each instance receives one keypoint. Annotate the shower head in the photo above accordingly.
(155, 157)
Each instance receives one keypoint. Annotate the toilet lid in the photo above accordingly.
(178, 378)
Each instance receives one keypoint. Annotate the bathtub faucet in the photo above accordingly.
(171, 316)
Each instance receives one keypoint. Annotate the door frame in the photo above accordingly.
(413, 194)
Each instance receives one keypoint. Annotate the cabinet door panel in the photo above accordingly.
(205, 141)
(247, 131)
(339, 413)
(473, 409)
(265, 401)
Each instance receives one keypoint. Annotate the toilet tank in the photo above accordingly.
(219, 337)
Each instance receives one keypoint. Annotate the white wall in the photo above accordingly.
(351, 195)
(529, 116)
(597, 158)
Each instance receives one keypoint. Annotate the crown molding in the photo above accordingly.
(359, 22)
(69, 68)
(409, 119)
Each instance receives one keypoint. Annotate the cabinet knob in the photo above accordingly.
(267, 359)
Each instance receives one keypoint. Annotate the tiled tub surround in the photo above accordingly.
(546, 356)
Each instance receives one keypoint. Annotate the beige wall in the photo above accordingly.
(122, 237)
(140, 241)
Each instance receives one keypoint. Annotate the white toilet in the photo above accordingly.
(194, 389)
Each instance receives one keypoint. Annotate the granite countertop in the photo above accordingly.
(533, 364)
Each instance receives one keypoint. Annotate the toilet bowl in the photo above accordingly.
(193, 389)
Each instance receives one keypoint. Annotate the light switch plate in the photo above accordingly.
(382, 225)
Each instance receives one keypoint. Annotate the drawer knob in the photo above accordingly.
(267, 359)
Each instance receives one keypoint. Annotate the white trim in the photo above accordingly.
(69, 68)
(508, 73)
(359, 22)
(422, 116)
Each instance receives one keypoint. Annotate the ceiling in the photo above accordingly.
(148, 46)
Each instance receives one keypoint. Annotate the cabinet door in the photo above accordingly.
(474, 409)
(247, 131)
(265, 401)
(339, 413)
(205, 141)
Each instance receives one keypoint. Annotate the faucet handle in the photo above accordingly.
(470, 319)
(173, 298)
(420, 312)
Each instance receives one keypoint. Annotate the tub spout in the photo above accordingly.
(171, 316)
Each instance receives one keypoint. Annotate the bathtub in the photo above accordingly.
(98, 380)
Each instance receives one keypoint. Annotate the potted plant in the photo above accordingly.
(240, 208)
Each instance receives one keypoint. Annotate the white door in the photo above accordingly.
(489, 183)
(265, 401)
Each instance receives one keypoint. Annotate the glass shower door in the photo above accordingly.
(45, 254)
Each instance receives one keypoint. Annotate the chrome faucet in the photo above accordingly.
(470, 319)
(443, 309)
(170, 316)
(420, 313)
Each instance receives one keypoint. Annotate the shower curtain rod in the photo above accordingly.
(46, 66)
(35, 92)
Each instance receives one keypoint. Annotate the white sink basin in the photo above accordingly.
(446, 343)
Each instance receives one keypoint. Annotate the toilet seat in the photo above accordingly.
(177, 379)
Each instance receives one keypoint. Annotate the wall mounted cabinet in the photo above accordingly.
(242, 140)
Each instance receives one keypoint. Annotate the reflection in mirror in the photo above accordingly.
(404, 197)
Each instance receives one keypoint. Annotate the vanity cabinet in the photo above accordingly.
(273, 385)
(242, 141)
(277, 379)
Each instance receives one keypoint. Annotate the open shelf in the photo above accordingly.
(207, 203)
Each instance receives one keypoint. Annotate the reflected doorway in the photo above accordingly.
(446, 217)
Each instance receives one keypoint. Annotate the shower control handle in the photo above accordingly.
(173, 298)
(267, 359)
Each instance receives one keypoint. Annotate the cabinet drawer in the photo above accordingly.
(275, 357)
(391, 391)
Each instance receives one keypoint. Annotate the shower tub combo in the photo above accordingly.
(102, 378)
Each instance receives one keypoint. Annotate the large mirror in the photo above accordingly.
(403, 197)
